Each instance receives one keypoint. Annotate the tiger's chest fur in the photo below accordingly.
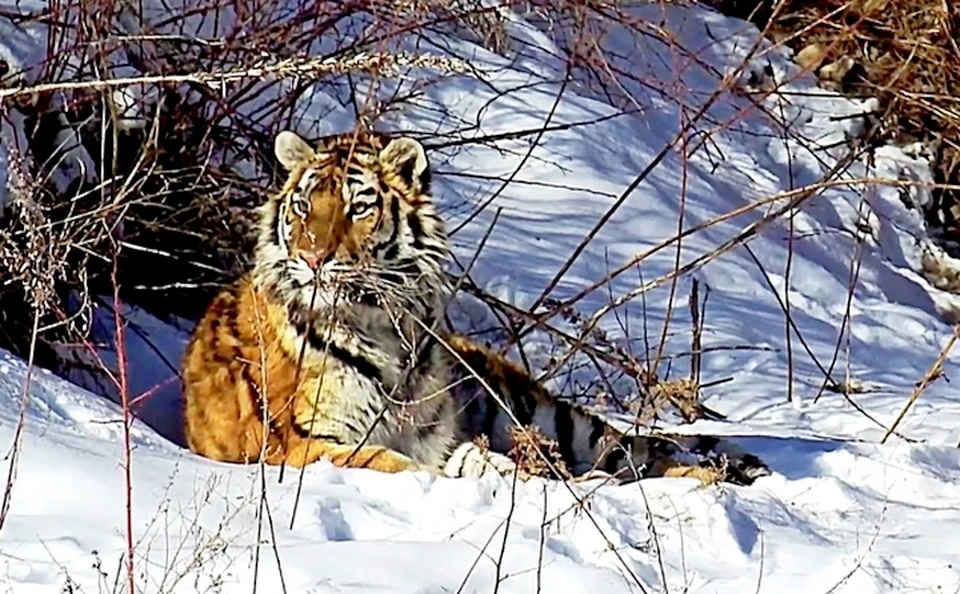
(379, 381)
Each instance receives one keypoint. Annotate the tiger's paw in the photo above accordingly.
(728, 461)
(472, 460)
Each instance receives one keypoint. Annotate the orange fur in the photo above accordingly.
(233, 366)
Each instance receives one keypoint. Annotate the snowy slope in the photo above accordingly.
(858, 517)
(840, 514)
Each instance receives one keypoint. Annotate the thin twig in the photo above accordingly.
(14, 454)
(123, 386)
(935, 371)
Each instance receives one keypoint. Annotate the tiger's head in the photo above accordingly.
(354, 225)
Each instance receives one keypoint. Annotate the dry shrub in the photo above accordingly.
(171, 185)
(682, 393)
(659, 396)
(532, 450)
(906, 54)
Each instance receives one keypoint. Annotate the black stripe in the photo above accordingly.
(298, 317)
(423, 356)
(232, 311)
(272, 225)
(599, 428)
(354, 430)
(219, 308)
(426, 178)
(214, 326)
(706, 444)
(416, 229)
(324, 436)
(390, 243)
(369, 299)
(477, 366)
(463, 460)
(391, 253)
(257, 396)
(612, 464)
(564, 421)
(425, 430)
(489, 415)
(213, 353)
(300, 431)
(524, 406)
(364, 366)
(391, 277)
(261, 408)
(361, 364)
(221, 359)
(658, 447)
(406, 266)
(350, 149)
(471, 410)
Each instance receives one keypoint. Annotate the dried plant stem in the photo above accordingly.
(123, 386)
(935, 371)
(14, 454)
(292, 67)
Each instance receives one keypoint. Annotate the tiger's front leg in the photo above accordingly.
(471, 460)
(307, 451)
(322, 426)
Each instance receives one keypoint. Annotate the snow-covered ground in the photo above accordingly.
(841, 513)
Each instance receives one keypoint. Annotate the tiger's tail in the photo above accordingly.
(569, 440)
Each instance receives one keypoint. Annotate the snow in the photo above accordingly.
(841, 512)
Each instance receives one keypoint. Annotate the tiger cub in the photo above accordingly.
(330, 346)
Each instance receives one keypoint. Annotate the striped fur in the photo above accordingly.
(328, 347)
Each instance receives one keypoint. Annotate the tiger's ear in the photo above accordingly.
(291, 150)
(407, 156)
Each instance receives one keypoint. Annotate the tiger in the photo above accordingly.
(331, 346)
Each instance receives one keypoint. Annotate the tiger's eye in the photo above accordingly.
(360, 210)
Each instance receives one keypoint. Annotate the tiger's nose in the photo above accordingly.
(315, 259)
